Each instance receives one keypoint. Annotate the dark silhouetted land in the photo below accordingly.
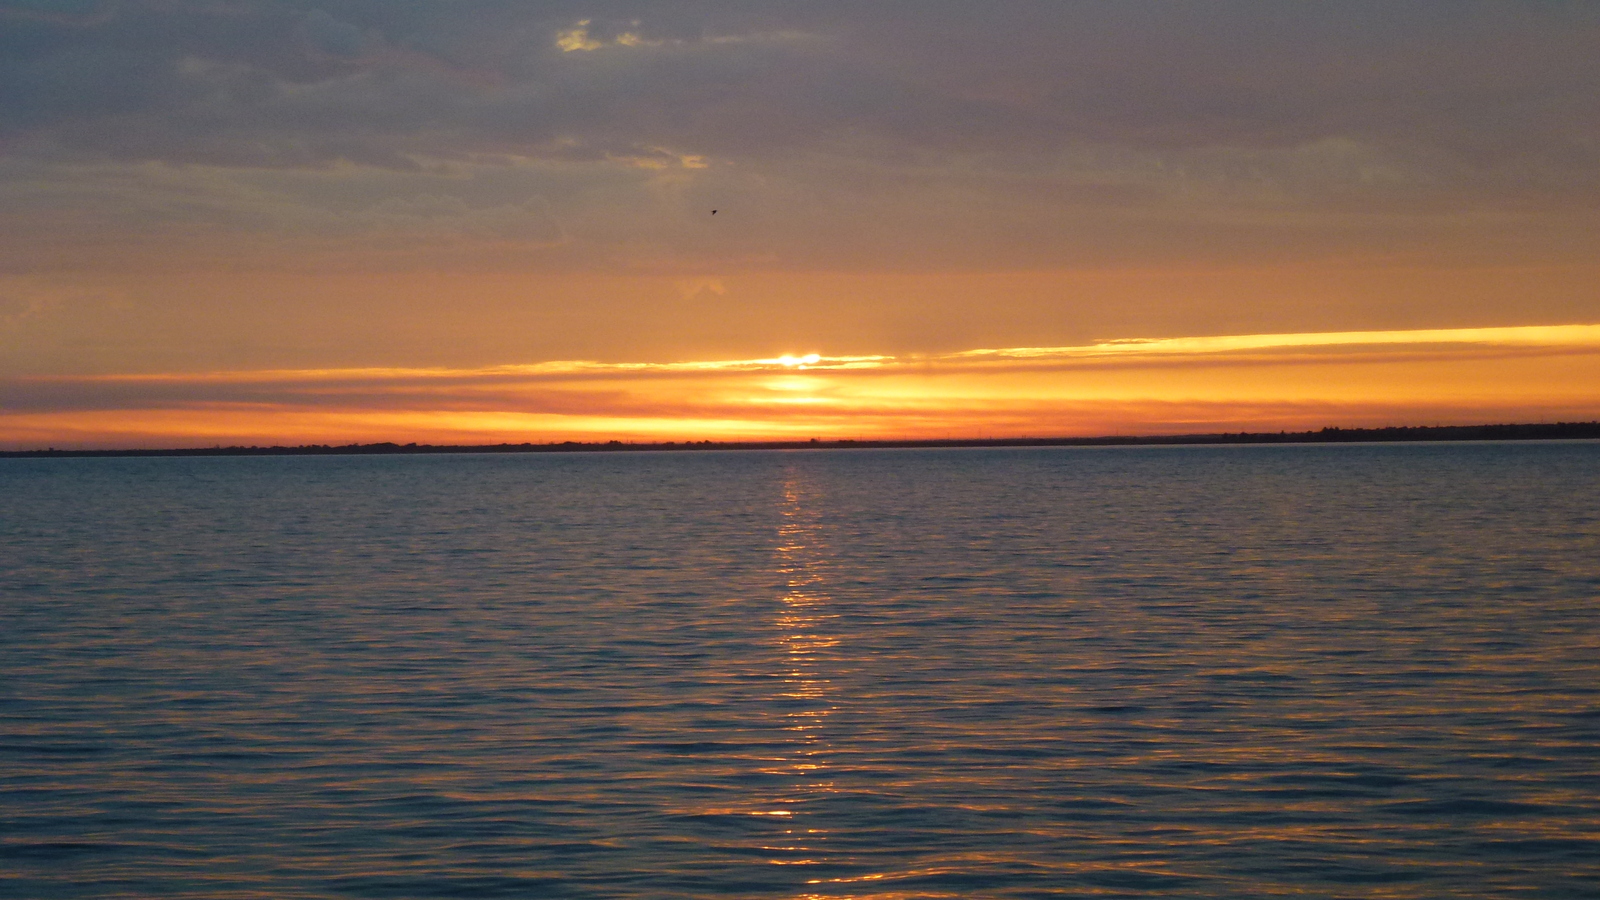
(1526, 432)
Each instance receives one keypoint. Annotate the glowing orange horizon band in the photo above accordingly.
(1574, 336)
(1227, 382)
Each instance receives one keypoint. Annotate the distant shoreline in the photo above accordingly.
(1524, 432)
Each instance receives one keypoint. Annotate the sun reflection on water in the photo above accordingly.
(805, 640)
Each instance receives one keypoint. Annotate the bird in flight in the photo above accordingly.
(713, 212)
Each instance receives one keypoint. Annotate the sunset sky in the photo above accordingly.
(277, 222)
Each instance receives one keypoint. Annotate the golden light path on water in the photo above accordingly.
(803, 637)
(1135, 386)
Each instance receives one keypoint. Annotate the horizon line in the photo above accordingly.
(1509, 431)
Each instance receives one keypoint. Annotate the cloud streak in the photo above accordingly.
(1126, 386)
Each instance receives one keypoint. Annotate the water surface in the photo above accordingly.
(1342, 671)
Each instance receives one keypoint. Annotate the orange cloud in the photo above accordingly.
(1212, 383)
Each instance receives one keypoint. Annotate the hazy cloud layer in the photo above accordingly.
(293, 83)
(1015, 113)
(194, 183)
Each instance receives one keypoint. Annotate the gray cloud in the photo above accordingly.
(1023, 133)
(333, 36)
(294, 83)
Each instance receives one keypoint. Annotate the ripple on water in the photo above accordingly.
(1210, 672)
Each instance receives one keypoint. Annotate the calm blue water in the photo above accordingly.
(1206, 672)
